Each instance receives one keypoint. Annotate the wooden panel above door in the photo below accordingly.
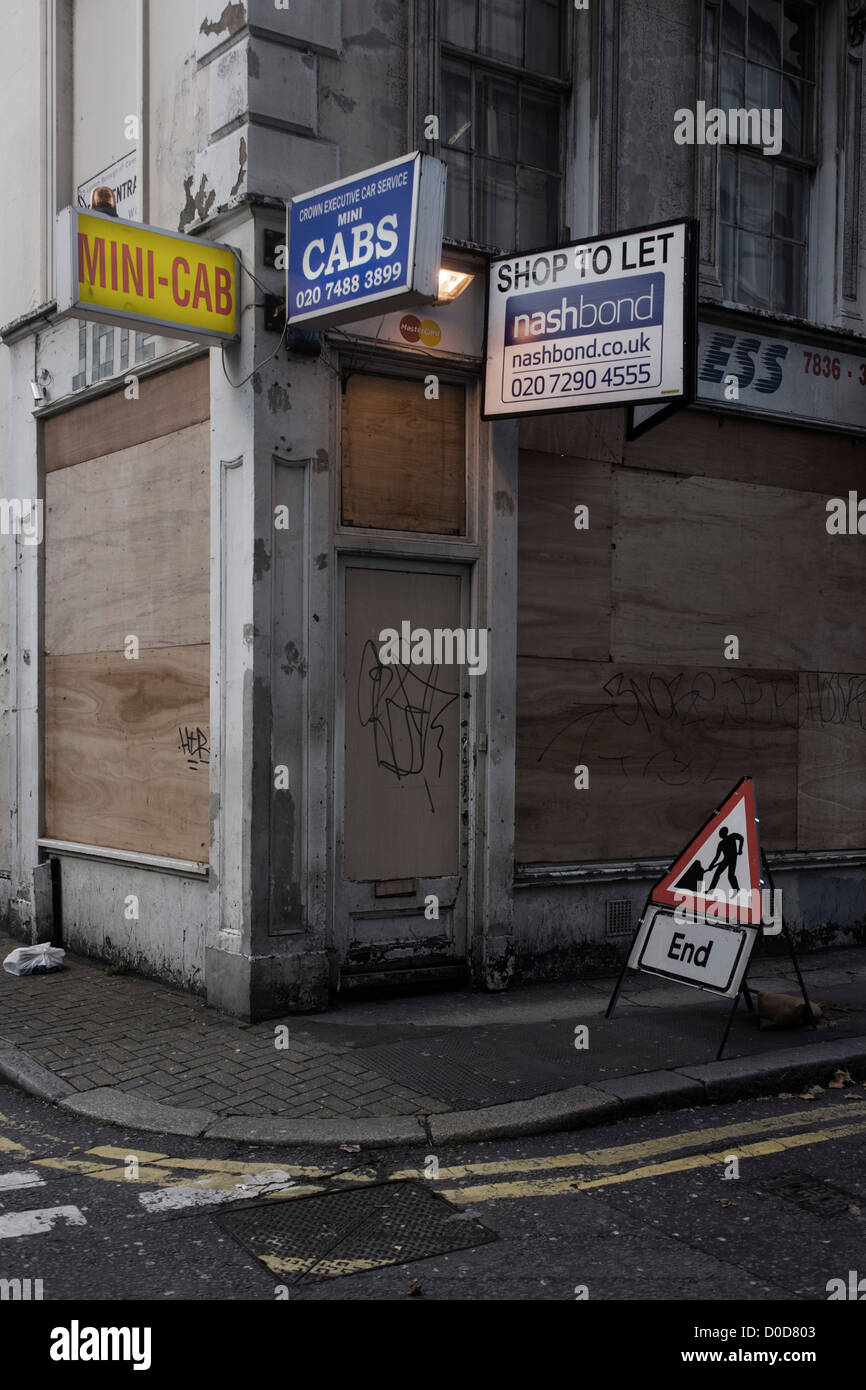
(403, 456)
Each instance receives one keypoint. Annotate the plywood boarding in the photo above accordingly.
(402, 761)
(831, 804)
(126, 764)
(127, 547)
(403, 456)
(585, 434)
(751, 451)
(662, 744)
(698, 559)
(167, 402)
(563, 574)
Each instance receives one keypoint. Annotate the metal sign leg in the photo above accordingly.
(728, 1026)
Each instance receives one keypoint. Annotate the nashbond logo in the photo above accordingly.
(738, 126)
(21, 516)
(438, 646)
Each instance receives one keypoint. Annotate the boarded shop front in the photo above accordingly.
(706, 529)
(127, 619)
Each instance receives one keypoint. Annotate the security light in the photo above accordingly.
(452, 283)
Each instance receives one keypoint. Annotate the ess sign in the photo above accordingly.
(375, 237)
(131, 275)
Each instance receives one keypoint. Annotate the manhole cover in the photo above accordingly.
(304, 1240)
(810, 1194)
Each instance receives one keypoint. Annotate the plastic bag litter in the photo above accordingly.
(34, 960)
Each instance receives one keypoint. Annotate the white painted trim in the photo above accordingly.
(188, 868)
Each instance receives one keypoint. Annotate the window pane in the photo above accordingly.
(456, 129)
(734, 25)
(539, 131)
(727, 186)
(773, 90)
(497, 116)
(798, 38)
(538, 209)
(731, 85)
(793, 125)
(458, 22)
(753, 277)
(789, 217)
(754, 86)
(457, 197)
(502, 30)
(788, 278)
(765, 25)
(726, 260)
(495, 204)
(756, 193)
(544, 37)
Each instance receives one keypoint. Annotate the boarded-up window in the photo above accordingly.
(712, 529)
(127, 557)
(404, 456)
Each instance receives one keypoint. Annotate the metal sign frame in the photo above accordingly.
(689, 328)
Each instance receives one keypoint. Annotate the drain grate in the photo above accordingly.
(305, 1240)
(810, 1194)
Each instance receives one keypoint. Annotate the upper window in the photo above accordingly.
(768, 64)
(503, 99)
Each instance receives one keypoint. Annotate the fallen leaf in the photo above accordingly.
(785, 1095)
(414, 1288)
(842, 1078)
(725, 1202)
(350, 1148)
(854, 1209)
(850, 1095)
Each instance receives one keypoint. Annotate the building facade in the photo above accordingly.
(210, 778)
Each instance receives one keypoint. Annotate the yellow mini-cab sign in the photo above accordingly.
(134, 276)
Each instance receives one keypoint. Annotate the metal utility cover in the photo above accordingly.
(306, 1240)
(809, 1193)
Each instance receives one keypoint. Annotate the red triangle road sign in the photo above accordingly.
(718, 875)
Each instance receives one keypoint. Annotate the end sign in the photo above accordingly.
(606, 322)
(373, 238)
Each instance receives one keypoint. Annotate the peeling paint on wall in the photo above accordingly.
(232, 19)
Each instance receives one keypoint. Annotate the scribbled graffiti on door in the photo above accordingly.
(402, 729)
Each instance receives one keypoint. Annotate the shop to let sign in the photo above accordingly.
(375, 238)
(134, 276)
(607, 322)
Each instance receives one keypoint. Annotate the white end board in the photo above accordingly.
(693, 952)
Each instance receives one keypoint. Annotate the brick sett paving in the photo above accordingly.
(95, 1030)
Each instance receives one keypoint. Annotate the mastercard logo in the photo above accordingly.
(415, 330)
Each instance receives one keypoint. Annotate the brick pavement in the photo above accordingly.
(95, 1029)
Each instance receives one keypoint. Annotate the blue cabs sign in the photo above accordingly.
(375, 238)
